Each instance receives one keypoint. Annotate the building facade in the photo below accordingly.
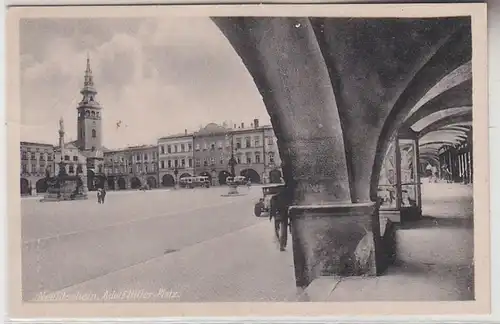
(37, 160)
(254, 148)
(272, 161)
(212, 151)
(176, 158)
(131, 167)
(249, 151)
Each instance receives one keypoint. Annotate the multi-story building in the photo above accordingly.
(254, 148)
(212, 151)
(132, 167)
(176, 158)
(248, 143)
(272, 161)
(37, 161)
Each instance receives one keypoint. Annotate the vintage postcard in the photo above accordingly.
(270, 160)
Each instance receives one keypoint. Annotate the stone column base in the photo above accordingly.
(335, 240)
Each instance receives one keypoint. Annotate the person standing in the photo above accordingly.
(103, 195)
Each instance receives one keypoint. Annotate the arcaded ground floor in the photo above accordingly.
(195, 245)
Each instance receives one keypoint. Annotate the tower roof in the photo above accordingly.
(88, 91)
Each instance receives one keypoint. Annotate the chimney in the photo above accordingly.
(256, 123)
(242, 125)
(185, 131)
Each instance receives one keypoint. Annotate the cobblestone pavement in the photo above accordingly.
(177, 245)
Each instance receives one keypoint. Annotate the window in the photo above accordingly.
(66, 158)
(33, 155)
(175, 148)
(269, 141)
(138, 157)
(169, 149)
(145, 157)
(257, 157)
(249, 159)
(238, 159)
(33, 168)
(100, 169)
(182, 148)
(190, 163)
(205, 162)
(24, 168)
(162, 164)
(212, 146)
(93, 114)
(169, 163)
(257, 141)
(212, 161)
(75, 158)
(198, 162)
(42, 157)
(248, 142)
(238, 143)
(71, 168)
(183, 163)
(162, 149)
(176, 163)
(94, 133)
(190, 147)
(24, 156)
(271, 157)
(146, 167)
(137, 168)
(87, 113)
(93, 148)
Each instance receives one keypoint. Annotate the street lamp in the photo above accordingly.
(176, 172)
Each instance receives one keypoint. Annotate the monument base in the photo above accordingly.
(65, 188)
(233, 191)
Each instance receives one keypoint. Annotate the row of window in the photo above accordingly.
(32, 156)
(180, 163)
(34, 169)
(139, 168)
(180, 148)
(176, 148)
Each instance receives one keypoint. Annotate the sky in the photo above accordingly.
(157, 76)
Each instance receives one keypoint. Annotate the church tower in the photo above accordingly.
(89, 123)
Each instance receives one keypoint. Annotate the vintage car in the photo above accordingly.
(264, 204)
(238, 180)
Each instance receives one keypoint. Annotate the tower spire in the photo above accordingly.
(89, 79)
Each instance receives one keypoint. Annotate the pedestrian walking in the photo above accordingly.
(249, 184)
(435, 174)
(279, 211)
(99, 196)
(103, 195)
